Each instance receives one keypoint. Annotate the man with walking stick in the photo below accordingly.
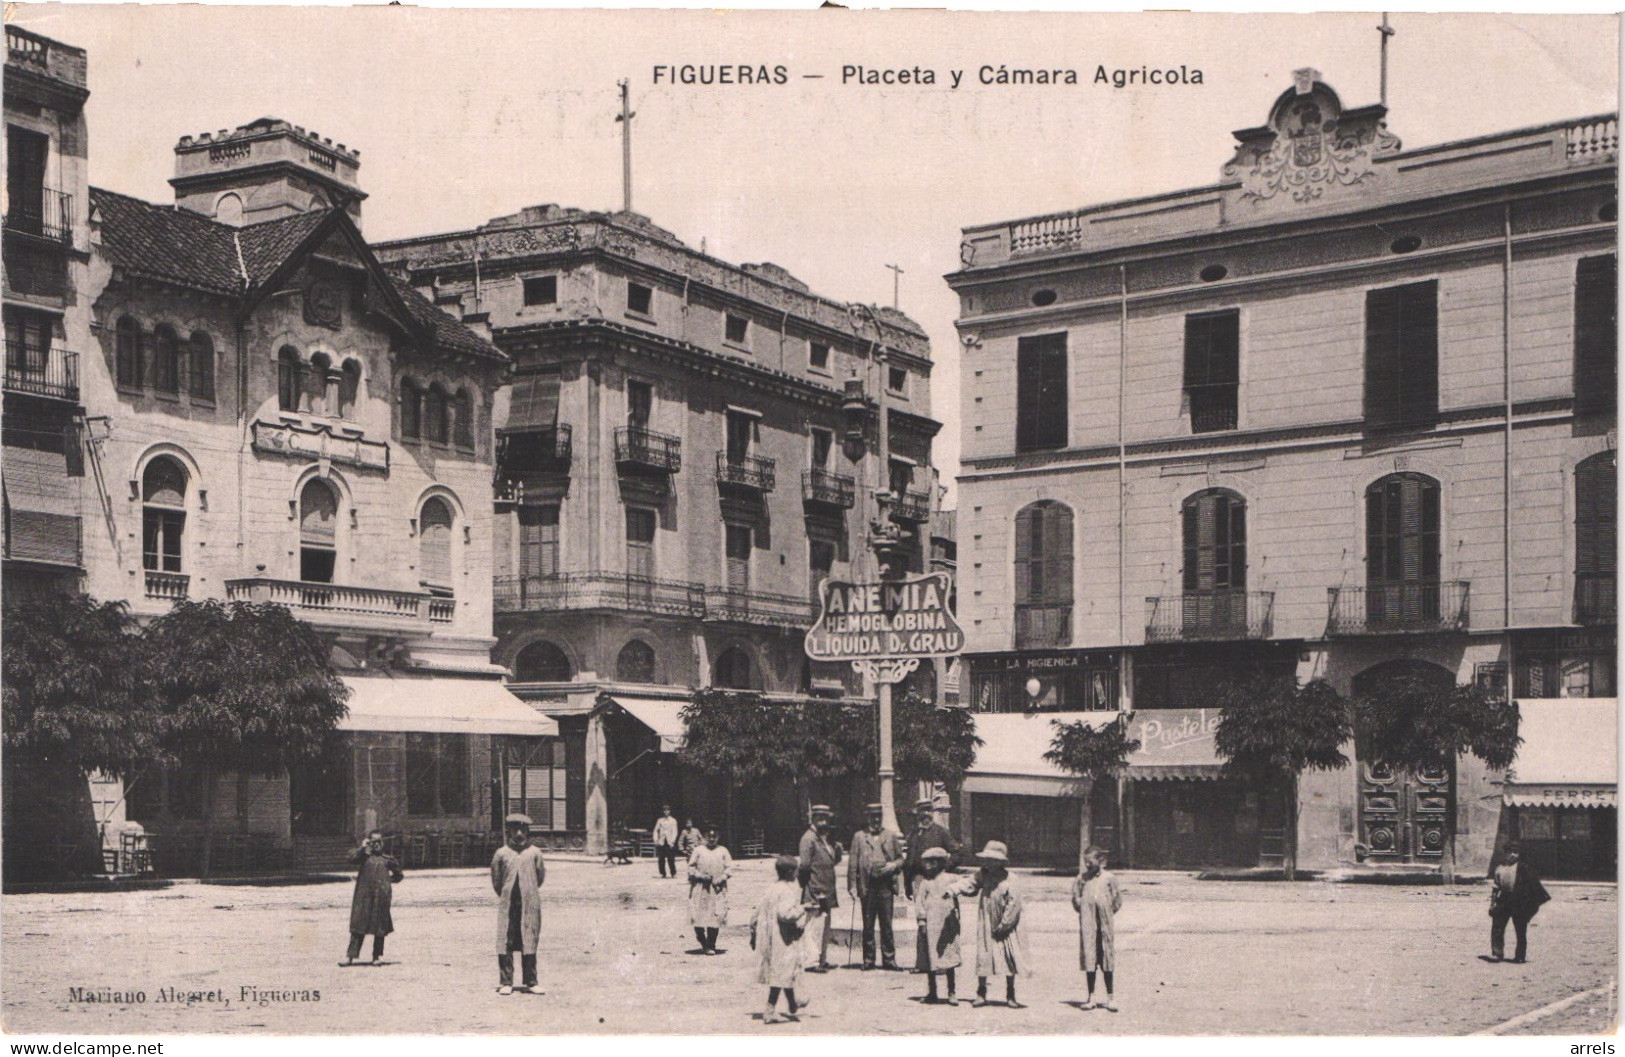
(871, 879)
(818, 857)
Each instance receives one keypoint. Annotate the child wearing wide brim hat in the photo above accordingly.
(1001, 949)
(936, 909)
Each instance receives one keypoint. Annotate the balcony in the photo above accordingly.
(43, 214)
(528, 451)
(336, 605)
(44, 538)
(167, 587)
(1416, 606)
(1042, 626)
(640, 450)
(1594, 599)
(1208, 616)
(739, 606)
(911, 506)
(1213, 407)
(1592, 141)
(442, 610)
(824, 488)
(597, 591)
(49, 372)
(755, 472)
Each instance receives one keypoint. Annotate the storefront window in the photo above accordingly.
(537, 784)
(1564, 664)
(437, 774)
(1062, 681)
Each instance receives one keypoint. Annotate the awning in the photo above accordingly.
(1174, 743)
(440, 706)
(1014, 743)
(661, 715)
(534, 402)
(1569, 756)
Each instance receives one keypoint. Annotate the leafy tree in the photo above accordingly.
(931, 744)
(1089, 753)
(1415, 723)
(71, 705)
(1271, 730)
(243, 687)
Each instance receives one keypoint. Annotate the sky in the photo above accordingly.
(464, 115)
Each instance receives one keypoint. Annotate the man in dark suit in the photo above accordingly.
(1515, 894)
(928, 834)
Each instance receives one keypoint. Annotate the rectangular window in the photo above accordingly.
(1596, 335)
(542, 290)
(437, 774)
(640, 542)
(639, 402)
(28, 347)
(26, 154)
(823, 442)
(538, 540)
(901, 475)
(736, 329)
(737, 548)
(1402, 356)
(1212, 369)
(818, 356)
(1041, 414)
(161, 532)
(741, 431)
(639, 299)
(201, 367)
(316, 564)
(897, 380)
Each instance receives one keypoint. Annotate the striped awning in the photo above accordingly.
(1569, 756)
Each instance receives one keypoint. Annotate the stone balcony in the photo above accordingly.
(346, 606)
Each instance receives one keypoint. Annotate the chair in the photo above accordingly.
(134, 856)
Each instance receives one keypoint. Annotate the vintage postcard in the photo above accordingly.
(808, 523)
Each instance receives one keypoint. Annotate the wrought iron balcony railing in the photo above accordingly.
(1213, 407)
(597, 590)
(911, 506)
(741, 606)
(42, 213)
(828, 489)
(1043, 626)
(540, 450)
(1209, 615)
(645, 451)
(1416, 605)
(40, 371)
(746, 471)
(1594, 599)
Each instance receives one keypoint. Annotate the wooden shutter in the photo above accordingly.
(1041, 392)
(1024, 554)
(640, 539)
(1596, 337)
(1402, 355)
(1595, 515)
(1056, 555)
(538, 540)
(434, 544)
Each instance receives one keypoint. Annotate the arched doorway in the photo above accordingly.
(1404, 816)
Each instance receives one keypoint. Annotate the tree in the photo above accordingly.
(1271, 730)
(1415, 723)
(931, 744)
(243, 687)
(71, 706)
(1089, 753)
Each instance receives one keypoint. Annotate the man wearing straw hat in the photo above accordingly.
(871, 879)
(818, 857)
(517, 872)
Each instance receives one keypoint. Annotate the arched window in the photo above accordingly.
(464, 419)
(163, 514)
(436, 415)
(1595, 514)
(318, 532)
(1214, 527)
(315, 387)
(1402, 550)
(229, 210)
(200, 371)
(349, 387)
(542, 662)
(411, 409)
(128, 353)
(166, 360)
(733, 670)
(1043, 575)
(288, 372)
(636, 663)
(434, 546)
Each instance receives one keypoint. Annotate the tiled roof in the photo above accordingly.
(172, 245)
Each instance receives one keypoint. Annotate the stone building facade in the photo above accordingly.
(686, 449)
(1346, 413)
(238, 436)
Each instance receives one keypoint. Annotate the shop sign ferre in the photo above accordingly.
(875, 621)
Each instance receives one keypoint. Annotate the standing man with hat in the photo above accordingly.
(871, 878)
(819, 855)
(517, 872)
(928, 833)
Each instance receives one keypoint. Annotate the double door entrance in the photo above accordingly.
(1404, 815)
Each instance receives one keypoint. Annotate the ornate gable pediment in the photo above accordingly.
(1311, 149)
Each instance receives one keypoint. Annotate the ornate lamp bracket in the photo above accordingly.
(890, 670)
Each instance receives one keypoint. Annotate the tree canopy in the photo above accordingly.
(1272, 728)
(931, 744)
(1090, 752)
(1417, 723)
(243, 686)
(71, 686)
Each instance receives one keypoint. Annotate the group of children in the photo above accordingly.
(1001, 949)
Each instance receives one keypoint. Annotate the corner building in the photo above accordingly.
(687, 447)
(1347, 413)
(201, 404)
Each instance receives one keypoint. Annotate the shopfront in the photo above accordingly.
(1561, 793)
(1045, 681)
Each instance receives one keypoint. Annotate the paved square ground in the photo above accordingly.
(1197, 957)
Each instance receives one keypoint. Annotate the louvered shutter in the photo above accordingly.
(1024, 554)
(1419, 354)
(1594, 516)
(1052, 406)
(1057, 555)
(1191, 531)
(1041, 392)
(1596, 336)
(1382, 403)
